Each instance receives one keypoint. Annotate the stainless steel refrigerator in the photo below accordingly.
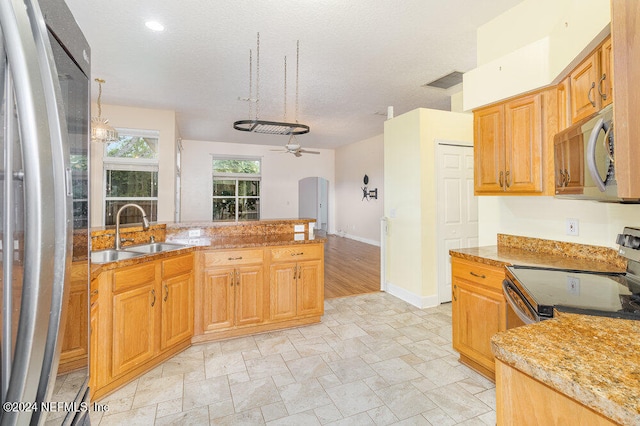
(44, 82)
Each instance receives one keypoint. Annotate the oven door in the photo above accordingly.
(517, 304)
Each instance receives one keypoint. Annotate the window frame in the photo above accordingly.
(237, 177)
(130, 164)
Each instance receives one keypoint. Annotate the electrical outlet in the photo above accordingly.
(194, 233)
(573, 285)
(298, 228)
(572, 227)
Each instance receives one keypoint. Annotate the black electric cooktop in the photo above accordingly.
(591, 293)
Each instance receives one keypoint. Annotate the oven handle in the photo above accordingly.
(510, 290)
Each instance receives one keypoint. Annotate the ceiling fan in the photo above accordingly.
(293, 147)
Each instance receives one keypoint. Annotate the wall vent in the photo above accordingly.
(447, 81)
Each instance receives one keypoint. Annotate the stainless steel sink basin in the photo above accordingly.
(154, 248)
(111, 255)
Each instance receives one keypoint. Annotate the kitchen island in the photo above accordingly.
(573, 369)
(235, 279)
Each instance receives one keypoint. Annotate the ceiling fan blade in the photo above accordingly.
(308, 152)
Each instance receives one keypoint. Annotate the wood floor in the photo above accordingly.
(350, 267)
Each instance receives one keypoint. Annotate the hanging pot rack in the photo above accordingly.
(256, 125)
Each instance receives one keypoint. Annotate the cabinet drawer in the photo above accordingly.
(177, 265)
(133, 277)
(490, 276)
(232, 257)
(297, 252)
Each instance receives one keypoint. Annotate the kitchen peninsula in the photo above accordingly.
(234, 279)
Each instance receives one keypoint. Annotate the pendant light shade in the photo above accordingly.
(101, 130)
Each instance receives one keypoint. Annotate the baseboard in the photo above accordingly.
(413, 299)
(356, 238)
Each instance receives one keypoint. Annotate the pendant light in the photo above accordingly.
(256, 125)
(101, 130)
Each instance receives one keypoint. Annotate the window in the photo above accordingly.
(131, 176)
(236, 189)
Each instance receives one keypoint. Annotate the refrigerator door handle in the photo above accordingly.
(41, 132)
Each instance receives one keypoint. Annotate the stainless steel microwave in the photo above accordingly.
(584, 160)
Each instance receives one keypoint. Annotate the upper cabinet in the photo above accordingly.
(625, 16)
(591, 83)
(510, 146)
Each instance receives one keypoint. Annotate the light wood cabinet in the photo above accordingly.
(522, 400)
(625, 16)
(75, 342)
(479, 311)
(233, 289)
(177, 301)
(508, 147)
(297, 281)
(141, 315)
(244, 291)
(591, 83)
(134, 317)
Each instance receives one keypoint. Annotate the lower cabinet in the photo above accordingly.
(74, 353)
(522, 400)
(145, 315)
(243, 291)
(479, 311)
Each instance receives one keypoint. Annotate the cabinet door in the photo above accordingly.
(605, 85)
(75, 343)
(94, 353)
(564, 107)
(283, 290)
(310, 288)
(488, 149)
(478, 313)
(249, 295)
(523, 144)
(217, 306)
(584, 93)
(133, 327)
(177, 310)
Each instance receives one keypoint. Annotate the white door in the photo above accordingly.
(457, 208)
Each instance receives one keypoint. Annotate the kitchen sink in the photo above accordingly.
(153, 248)
(111, 255)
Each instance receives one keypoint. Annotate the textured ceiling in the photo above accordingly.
(357, 57)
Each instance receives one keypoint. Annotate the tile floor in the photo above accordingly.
(373, 360)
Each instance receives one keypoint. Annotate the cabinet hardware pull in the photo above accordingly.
(483, 276)
(237, 278)
(231, 278)
(94, 292)
(454, 293)
(501, 180)
(153, 293)
(567, 176)
(166, 292)
(299, 271)
(235, 258)
(602, 95)
(297, 254)
(561, 183)
(507, 181)
(593, 86)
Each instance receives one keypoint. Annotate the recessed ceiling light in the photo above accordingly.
(154, 25)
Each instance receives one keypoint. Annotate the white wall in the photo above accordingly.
(280, 175)
(164, 121)
(531, 45)
(357, 218)
(545, 217)
(411, 196)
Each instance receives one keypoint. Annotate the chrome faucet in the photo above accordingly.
(145, 222)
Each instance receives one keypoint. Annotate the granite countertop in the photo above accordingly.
(594, 360)
(529, 251)
(216, 243)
